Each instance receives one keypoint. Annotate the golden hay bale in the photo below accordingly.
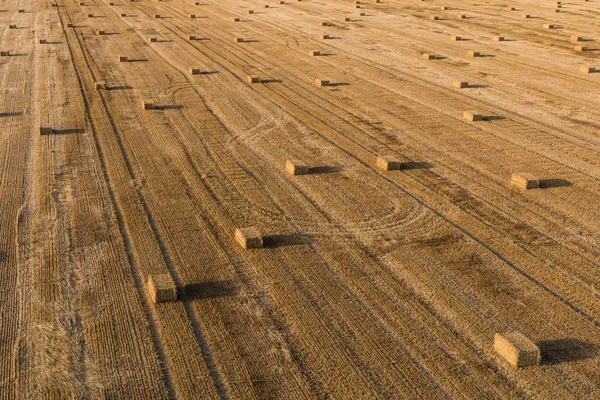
(249, 238)
(517, 349)
(388, 163)
(45, 130)
(100, 85)
(587, 70)
(321, 82)
(470, 116)
(161, 288)
(296, 167)
(148, 105)
(460, 84)
(524, 180)
(252, 79)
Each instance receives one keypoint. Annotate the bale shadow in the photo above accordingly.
(416, 165)
(11, 114)
(477, 86)
(565, 350)
(493, 118)
(121, 87)
(324, 169)
(334, 84)
(209, 290)
(3, 256)
(169, 107)
(554, 183)
(70, 131)
(297, 239)
(271, 81)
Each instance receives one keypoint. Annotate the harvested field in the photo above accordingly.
(209, 200)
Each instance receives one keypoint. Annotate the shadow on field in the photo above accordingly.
(416, 165)
(324, 169)
(209, 290)
(565, 350)
(553, 183)
(71, 131)
(297, 239)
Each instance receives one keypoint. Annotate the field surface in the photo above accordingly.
(372, 284)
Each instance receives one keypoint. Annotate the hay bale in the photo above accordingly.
(100, 85)
(4, 53)
(576, 38)
(557, 10)
(123, 14)
(434, 17)
(473, 54)
(471, 116)
(161, 288)
(549, 26)
(236, 19)
(321, 82)
(296, 167)
(45, 130)
(524, 180)
(152, 39)
(517, 349)
(460, 84)
(252, 79)
(499, 38)
(346, 19)
(428, 56)
(195, 71)
(238, 39)
(443, 8)
(455, 38)
(325, 37)
(21, 11)
(81, 3)
(43, 41)
(362, 14)
(580, 48)
(69, 25)
(148, 105)
(461, 16)
(249, 238)
(100, 32)
(191, 37)
(266, 6)
(510, 9)
(250, 11)
(90, 15)
(192, 16)
(156, 16)
(122, 58)
(388, 163)
(587, 70)
(12, 26)
(314, 53)
(525, 16)
(325, 23)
